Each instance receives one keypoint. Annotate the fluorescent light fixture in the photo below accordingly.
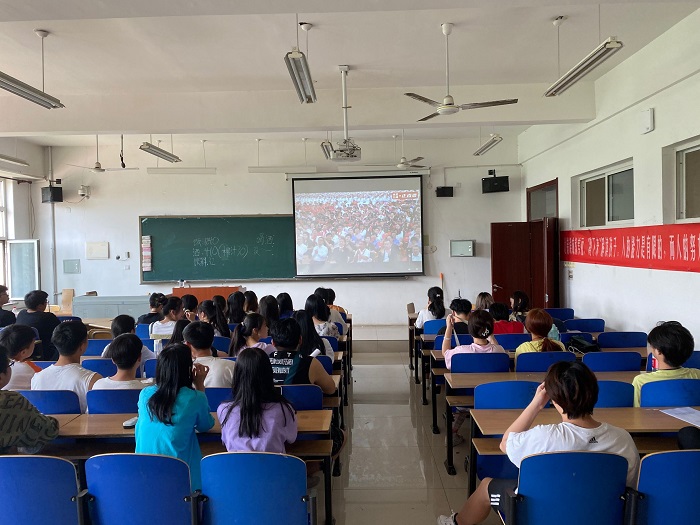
(14, 175)
(381, 170)
(177, 170)
(14, 160)
(599, 55)
(301, 76)
(282, 169)
(28, 92)
(158, 152)
(495, 139)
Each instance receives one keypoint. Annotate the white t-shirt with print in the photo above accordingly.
(107, 383)
(65, 377)
(161, 329)
(426, 315)
(220, 372)
(146, 353)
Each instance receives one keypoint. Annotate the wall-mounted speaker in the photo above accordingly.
(52, 194)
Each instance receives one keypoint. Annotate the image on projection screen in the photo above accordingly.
(358, 226)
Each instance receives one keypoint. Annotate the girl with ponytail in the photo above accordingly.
(435, 309)
(539, 323)
(248, 334)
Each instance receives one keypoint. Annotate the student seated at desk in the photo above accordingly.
(311, 343)
(672, 345)
(250, 306)
(320, 313)
(539, 323)
(172, 311)
(70, 338)
(35, 316)
(23, 426)
(236, 313)
(333, 314)
(125, 352)
(573, 390)
(269, 309)
(435, 309)
(501, 324)
(286, 307)
(199, 337)
(483, 301)
(176, 336)
(156, 302)
(172, 411)
(461, 310)
(18, 341)
(209, 312)
(519, 305)
(331, 300)
(259, 419)
(124, 324)
(6, 317)
(248, 334)
(189, 306)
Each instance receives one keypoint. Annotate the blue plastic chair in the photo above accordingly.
(57, 478)
(614, 394)
(221, 343)
(344, 316)
(52, 402)
(565, 338)
(512, 341)
(622, 340)
(118, 483)
(103, 366)
(142, 331)
(149, 367)
(216, 396)
(304, 397)
(149, 343)
(563, 314)
(332, 340)
(541, 361)
(692, 362)
(547, 482)
(585, 325)
(266, 340)
(464, 339)
(472, 363)
(262, 475)
(113, 401)
(232, 327)
(65, 318)
(670, 491)
(44, 364)
(95, 347)
(433, 326)
(613, 361)
(325, 360)
(671, 393)
(341, 329)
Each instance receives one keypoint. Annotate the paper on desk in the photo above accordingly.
(687, 414)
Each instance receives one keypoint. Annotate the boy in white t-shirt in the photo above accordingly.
(125, 324)
(70, 338)
(573, 390)
(199, 337)
(18, 340)
(125, 352)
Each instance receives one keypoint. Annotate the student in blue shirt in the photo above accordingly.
(171, 411)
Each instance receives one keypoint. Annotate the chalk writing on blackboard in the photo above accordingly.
(209, 251)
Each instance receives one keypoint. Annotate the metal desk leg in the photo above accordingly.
(424, 363)
(416, 368)
(411, 343)
(327, 489)
(433, 398)
(474, 432)
(449, 462)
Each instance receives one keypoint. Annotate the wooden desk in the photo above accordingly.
(411, 324)
(64, 419)
(102, 323)
(202, 293)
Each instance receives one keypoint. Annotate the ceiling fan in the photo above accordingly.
(403, 163)
(448, 106)
(97, 167)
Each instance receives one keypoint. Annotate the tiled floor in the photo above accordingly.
(393, 468)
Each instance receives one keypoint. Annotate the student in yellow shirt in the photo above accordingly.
(538, 322)
(672, 345)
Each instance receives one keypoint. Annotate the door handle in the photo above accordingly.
(496, 287)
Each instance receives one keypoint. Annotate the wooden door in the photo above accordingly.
(544, 262)
(510, 259)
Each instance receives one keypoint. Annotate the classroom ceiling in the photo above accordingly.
(178, 53)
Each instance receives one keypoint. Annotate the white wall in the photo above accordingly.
(665, 76)
(118, 198)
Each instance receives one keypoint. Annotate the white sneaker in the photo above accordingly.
(447, 520)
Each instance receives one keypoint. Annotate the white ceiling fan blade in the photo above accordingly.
(417, 159)
(491, 103)
(420, 98)
(417, 166)
(432, 115)
(377, 165)
(82, 167)
(121, 169)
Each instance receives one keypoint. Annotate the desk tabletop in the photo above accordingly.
(643, 420)
(476, 379)
(64, 419)
(101, 322)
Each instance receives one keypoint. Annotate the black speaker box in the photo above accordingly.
(494, 184)
(444, 191)
(52, 194)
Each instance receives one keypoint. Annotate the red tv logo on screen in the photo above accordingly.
(404, 195)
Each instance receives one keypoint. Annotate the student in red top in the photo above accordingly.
(499, 311)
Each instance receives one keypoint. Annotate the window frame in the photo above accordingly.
(600, 174)
(679, 181)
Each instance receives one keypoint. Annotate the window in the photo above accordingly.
(688, 183)
(607, 197)
(542, 201)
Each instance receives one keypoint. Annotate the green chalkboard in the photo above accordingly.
(217, 248)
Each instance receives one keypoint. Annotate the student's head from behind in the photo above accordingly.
(322, 293)
(36, 300)
(462, 307)
(173, 372)
(220, 302)
(179, 327)
(253, 327)
(483, 301)
(157, 300)
(189, 302)
(173, 308)
(284, 301)
(480, 324)
(269, 309)
(499, 311)
(330, 299)
(252, 375)
(538, 322)
(199, 335)
(436, 302)
(519, 301)
(572, 387)
(286, 334)
(5, 368)
(122, 324)
(316, 307)
(673, 342)
(251, 301)
(18, 340)
(125, 351)
(70, 337)
(206, 311)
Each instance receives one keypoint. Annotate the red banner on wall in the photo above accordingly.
(667, 247)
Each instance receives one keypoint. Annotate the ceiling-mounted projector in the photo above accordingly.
(347, 151)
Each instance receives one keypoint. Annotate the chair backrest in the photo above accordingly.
(149, 367)
(432, 326)
(113, 401)
(504, 394)
(613, 394)
(326, 362)
(692, 362)
(216, 396)
(671, 393)
(464, 339)
(264, 476)
(64, 318)
(266, 340)
(119, 482)
(103, 366)
(53, 401)
(99, 333)
(585, 325)
(670, 493)
(411, 308)
(512, 341)
(149, 343)
(565, 337)
(613, 361)
(232, 327)
(622, 340)
(96, 346)
(304, 397)
(221, 343)
(563, 314)
(59, 486)
(332, 340)
(471, 363)
(340, 328)
(142, 331)
(344, 316)
(541, 361)
(547, 482)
